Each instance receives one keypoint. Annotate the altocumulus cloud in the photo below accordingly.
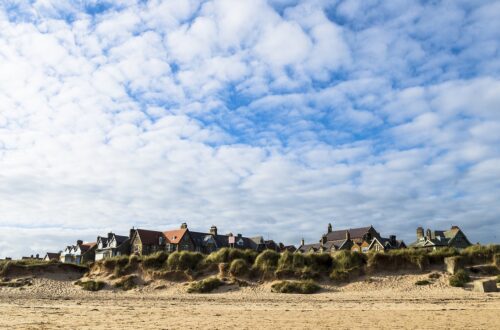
(269, 118)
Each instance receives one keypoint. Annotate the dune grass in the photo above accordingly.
(423, 282)
(205, 286)
(126, 283)
(459, 279)
(91, 285)
(302, 287)
(239, 267)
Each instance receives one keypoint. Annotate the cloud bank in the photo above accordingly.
(262, 117)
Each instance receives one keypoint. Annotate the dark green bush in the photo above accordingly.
(155, 261)
(459, 279)
(91, 285)
(184, 260)
(323, 262)
(348, 260)
(303, 287)
(339, 275)
(126, 283)
(238, 267)
(229, 254)
(205, 286)
(267, 261)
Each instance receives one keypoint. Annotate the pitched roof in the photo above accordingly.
(308, 247)
(87, 246)
(354, 233)
(149, 237)
(174, 236)
(52, 255)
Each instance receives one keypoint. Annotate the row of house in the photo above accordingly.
(145, 242)
(366, 239)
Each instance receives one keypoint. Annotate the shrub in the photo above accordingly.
(303, 287)
(155, 261)
(348, 260)
(238, 267)
(228, 255)
(91, 285)
(285, 262)
(339, 275)
(267, 261)
(204, 286)
(434, 276)
(184, 260)
(422, 282)
(323, 262)
(398, 259)
(480, 253)
(126, 283)
(459, 279)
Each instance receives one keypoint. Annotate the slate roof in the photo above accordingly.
(86, 246)
(308, 247)
(355, 233)
(52, 255)
(438, 238)
(149, 237)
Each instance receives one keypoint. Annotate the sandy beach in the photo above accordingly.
(378, 302)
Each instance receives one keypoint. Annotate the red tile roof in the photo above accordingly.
(174, 236)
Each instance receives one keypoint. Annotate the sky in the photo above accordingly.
(268, 118)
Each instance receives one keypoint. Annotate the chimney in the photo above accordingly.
(428, 234)
(454, 227)
(37, 256)
(347, 235)
(184, 225)
(131, 232)
(239, 235)
(323, 239)
(302, 242)
(110, 234)
(213, 230)
(330, 228)
(392, 239)
(420, 233)
(79, 242)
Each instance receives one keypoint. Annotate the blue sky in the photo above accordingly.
(261, 117)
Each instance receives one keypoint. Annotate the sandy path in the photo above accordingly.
(380, 304)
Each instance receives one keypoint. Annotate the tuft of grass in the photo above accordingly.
(184, 260)
(423, 282)
(496, 260)
(267, 261)
(434, 276)
(126, 283)
(91, 285)
(398, 259)
(323, 262)
(349, 259)
(238, 267)
(498, 278)
(227, 255)
(205, 286)
(339, 275)
(302, 287)
(155, 261)
(459, 279)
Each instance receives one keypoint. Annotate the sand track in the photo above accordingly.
(378, 303)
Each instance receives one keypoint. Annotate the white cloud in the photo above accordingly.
(261, 117)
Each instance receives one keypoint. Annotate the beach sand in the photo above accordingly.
(378, 302)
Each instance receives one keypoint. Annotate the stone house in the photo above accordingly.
(384, 244)
(435, 239)
(145, 242)
(49, 256)
(81, 253)
(112, 245)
